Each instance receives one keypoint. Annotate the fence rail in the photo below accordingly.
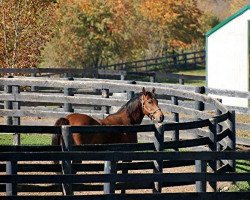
(172, 196)
(16, 182)
(170, 62)
(85, 95)
(146, 67)
(183, 77)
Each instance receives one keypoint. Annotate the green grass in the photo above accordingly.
(198, 72)
(242, 166)
(26, 139)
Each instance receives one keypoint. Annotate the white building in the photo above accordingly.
(227, 47)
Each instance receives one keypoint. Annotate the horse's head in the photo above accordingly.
(150, 106)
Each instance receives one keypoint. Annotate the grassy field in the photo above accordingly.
(26, 139)
(199, 71)
(242, 166)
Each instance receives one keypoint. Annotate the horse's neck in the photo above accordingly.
(135, 117)
(122, 117)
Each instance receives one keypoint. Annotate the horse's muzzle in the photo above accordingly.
(161, 118)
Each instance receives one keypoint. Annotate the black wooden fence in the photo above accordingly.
(181, 78)
(151, 156)
(170, 62)
(146, 68)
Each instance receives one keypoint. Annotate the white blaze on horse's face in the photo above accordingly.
(150, 106)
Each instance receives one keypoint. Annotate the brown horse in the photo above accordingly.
(133, 112)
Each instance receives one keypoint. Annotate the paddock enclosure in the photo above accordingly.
(198, 131)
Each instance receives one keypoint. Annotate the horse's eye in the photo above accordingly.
(150, 102)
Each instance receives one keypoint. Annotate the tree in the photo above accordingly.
(172, 24)
(100, 31)
(25, 26)
(237, 5)
(65, 48)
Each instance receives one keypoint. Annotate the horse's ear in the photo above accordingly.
(153, 90)
(144, 91)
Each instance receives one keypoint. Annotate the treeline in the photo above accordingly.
(76, 33)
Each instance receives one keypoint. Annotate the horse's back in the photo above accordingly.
(76, 119)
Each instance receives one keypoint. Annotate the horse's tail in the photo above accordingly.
(56, 138)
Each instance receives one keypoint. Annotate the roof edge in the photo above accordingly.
(227, 20)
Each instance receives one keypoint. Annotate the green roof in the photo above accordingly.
(224, 22)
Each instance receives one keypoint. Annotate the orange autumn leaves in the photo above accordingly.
(160, 10)
(181, 20)
(25, 26)
(78, 32)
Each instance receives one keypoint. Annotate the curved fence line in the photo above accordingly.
(214, 130)
(90, 85)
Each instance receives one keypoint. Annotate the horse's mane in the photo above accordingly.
(132, 104)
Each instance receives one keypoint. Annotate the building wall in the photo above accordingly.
(227, 58)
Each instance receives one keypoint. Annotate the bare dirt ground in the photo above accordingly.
(50, 121)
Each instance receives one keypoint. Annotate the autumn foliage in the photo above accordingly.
(77, 33)
(25, 27)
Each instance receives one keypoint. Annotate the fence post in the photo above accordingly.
(199, 105)
(213, 147)
(16, 120)
(66, 164)
(175, 59)
(195, 61)
(11, 169)
(33, 88)
(185, 59)
(175, 134)
(8, 104)
(232, 137)
(152, 78)
(66, 75)
(109, 168)
(159, 146)
(122, 77)
(201, 166)
(219, 129)
(181, 81)
(131, 93)
(105, 94)
(68, 92)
